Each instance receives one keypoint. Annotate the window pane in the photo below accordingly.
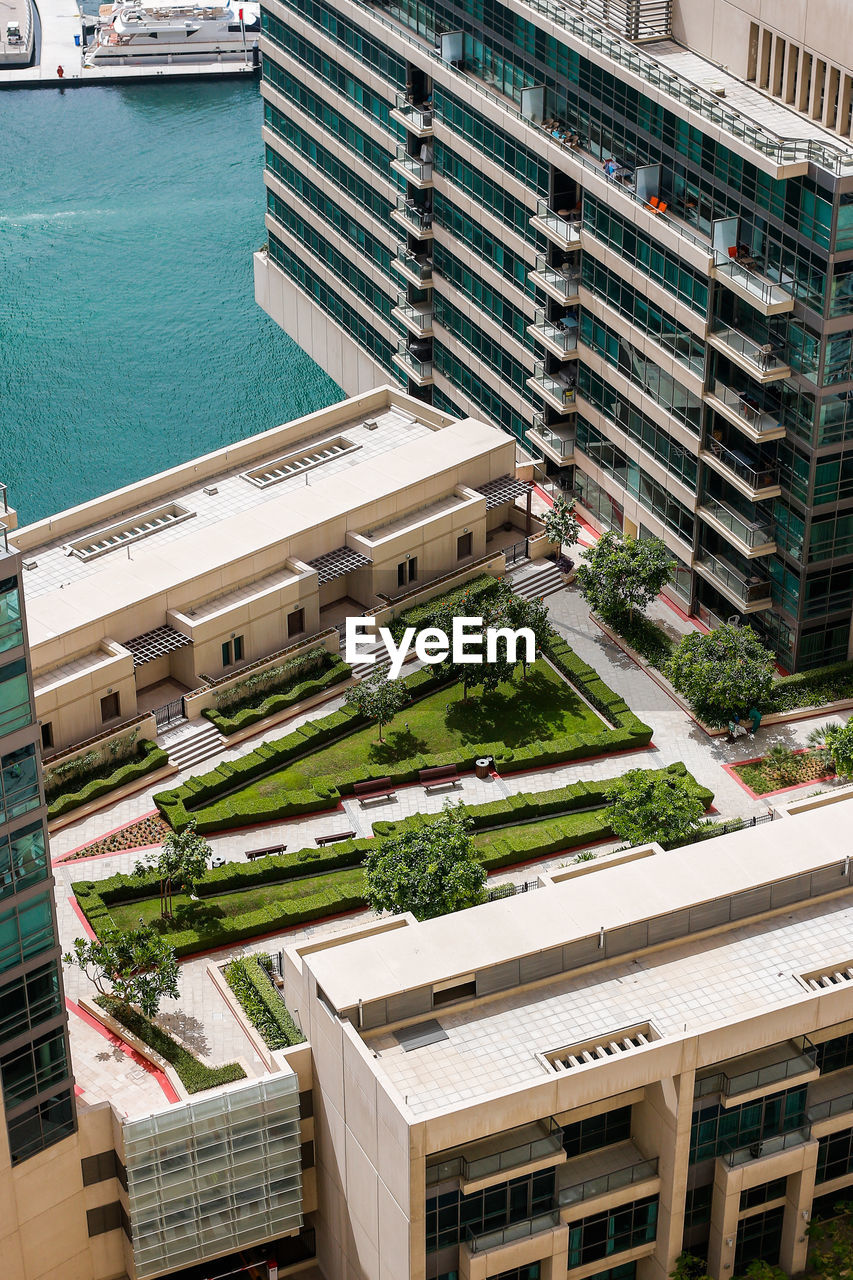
(11, 627)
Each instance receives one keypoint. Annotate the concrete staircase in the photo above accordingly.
(541, 578)
(382, 663)
(190, 749)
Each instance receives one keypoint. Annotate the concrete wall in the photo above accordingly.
(70, 701)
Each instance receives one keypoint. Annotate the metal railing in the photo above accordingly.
(557, 389)
(608, 1182)
(832, 1107)
(754, 533)
(768, 1146)
(479, 1242)
(565, 227)
(802, 1058)
(562, 280)
(511, 890)
(518, 551)
(419, 319)
(420, 368)
(758, 419)
(4, 493)
(561, 440)
(763, 290)
(550, 1143)
(4, 537)
(420, 170)
(417, 266)
(420, 218)
(752, 473)
(749, 591)
(419, 117)
(762, 355)
(566, 338)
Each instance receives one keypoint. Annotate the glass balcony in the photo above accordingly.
(417, 266)
(752, 592)
(506, 1151)
(747, 282)
(416, 316)
(768, 1146)
(561, 283)
(744, 466)
(608, 1182)
(757, 1070)
(416, 216)
(483, 1240)
(558, 389)
(413, 168)
(557, 442)
(752, 533)
(559, 336)
(760, 360)
(562, 227)
(419, 370)
(417, 118)
(744, 409)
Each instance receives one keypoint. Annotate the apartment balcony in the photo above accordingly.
(416, 268)
(515, 1151)
(558, 389)
(748, 594)
(769, 1146)
(420, 371)
(603, 1172)
(757, 1072)
(483, 1241)
(417, 119)
(562, 228)
(744, 411)
(413, 217)
(751, 538)
(416, 171)
(744, 279)
(560, 283)
(760, 361)
(831, 1096)
(559, 337)
(556, 443)
(416, 316)
(742, 470)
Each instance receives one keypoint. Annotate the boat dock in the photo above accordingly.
(57, 24)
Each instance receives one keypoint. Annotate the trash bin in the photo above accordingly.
(482, 766)
(77, 41)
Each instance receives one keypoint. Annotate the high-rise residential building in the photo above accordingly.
(621, 231)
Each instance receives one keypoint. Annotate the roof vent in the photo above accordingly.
(210, 491)
(370, 424)
(823, 979)
(31, 564)
(600, 1048)
(719, 90)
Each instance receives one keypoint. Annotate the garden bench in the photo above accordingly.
(251, 854)
(439, 779)
(378, 789)
(337, 835)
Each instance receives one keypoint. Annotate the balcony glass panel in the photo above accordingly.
(608, 1182)
(416, 264)
(564, 227)
(419, 168)
(560, 439)
(768, 1146)
(764, 355)
(420, 216)
(746, 406)
(563, 280)
(559, 386)
(756, 1070)
(761, 289)
(515, 1231)
(418, 314)
(561, 333)
(11, 627)
(744, 465)
(750, 590)
(753, 533)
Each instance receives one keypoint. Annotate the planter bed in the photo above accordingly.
(82, 791)
(193, 1074)
(757, 780)
(249, 712)
(250, 981)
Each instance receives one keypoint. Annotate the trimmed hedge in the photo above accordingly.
(420, 616)
(194, 1075)
(150, 758)
(813, 688)
(232, 721)
(250, 981)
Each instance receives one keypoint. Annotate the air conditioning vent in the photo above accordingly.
(600, 1048)
(371, 424)
(210, 491)
(31, 564)
(824, 979)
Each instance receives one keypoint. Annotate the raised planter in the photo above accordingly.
(139, 1046)
(111, 798)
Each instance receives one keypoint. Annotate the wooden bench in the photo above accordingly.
(379, 789)
(439, 779)
(333, 839)
(251, 854)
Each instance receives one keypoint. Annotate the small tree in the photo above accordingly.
(561, 524)
(689, 1267)
(137, 967)
(832, 1259)
(727, 671)
(429, 870)
(532, 614)
(645, 806)
(180, 863)
(832, 745)
(377, 698)
(620, 574)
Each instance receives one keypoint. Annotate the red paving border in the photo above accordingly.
(152, 813)
(731, 770)
(115, 1040)
(75, 907)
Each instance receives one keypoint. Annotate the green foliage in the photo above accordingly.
(259, 704)
(249, 979)
(193, 1074)
(377, 698)
(137, 966)
(180, 863)
(429, 870)
(620, 574)
(831, 683)
(831, 1257)
(689, 1267)
(99, 762)
(722, 673)
(644, 808)
(466, 601)
(272, 679)
(561, 524)
(833, 747)
(77, 789)
(645, 637)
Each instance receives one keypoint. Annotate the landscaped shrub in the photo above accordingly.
(194, 1075)
(815, 688)
(249, 710)
(474, 594)
(249, 979)
(150, 757)
(645, 637)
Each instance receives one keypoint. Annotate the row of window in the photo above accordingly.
(450, 1216)
(357, 93)
(643, 372)
(717, 1130)
(350, 320)
(635, 423)
(25, 931)
(363, 193)
(11, 625)
(488, 349)
(29, 1000)
(33, 1067)
(499, 257)
(648, 492)
(834, 1156)
(493, 301)
(41, 1126)
(645, 315)
(323, 160)
(613, 1231)
(488, 138)
(490, 195)
(350, 228)
(19, 784)
(23, 859)
(14, 696)
(373, 53)
(460, 374)
(336, 124)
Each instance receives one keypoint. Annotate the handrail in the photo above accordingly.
(768, 1146)
(625, 1177)
(479, 1242)
(759, 477)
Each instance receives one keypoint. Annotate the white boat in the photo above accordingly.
(136, 32)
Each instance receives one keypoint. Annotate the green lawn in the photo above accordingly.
(541, 707)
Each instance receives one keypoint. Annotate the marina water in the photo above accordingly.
(129, 333)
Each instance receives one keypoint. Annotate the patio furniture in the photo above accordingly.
(442, 778)
(335, 837)
(252, 854)
(375, 791)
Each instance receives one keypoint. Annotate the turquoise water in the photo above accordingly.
(130, 339)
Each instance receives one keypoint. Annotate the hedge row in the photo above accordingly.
(474, 593)
(590, 684)
(232, 721)
(813, 688)
(194, 1075)
(150, 758)
(250, 981)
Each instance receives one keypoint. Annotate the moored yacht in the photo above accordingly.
(126, 33)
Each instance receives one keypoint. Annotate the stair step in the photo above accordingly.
(191, 750)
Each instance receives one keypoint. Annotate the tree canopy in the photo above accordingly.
(180, 863)
(561, 523)
(644, 807)
(833, 745)
(429, 870)
(377, 698)
(621, 574)
(725, 672)
(138, 967)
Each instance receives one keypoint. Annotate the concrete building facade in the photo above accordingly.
(622, 232)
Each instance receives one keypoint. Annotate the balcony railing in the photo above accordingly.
(768, 1146)
(831, 1107)
(747, 407)
(608, 1182)
(471, 1169)
(763, 357)
(419, 368)
(753, 590)
(755, 533)
(561, 280)
(418, 314)
(744, 466)
(764, 291)
(561, 334)
(415, 168)
(480, 1241)
(559, 439)
(420, 218)
(799, 1058)
(554, 386)
(563, 227)
(4, 538)
(417, 118)
(415, 264)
